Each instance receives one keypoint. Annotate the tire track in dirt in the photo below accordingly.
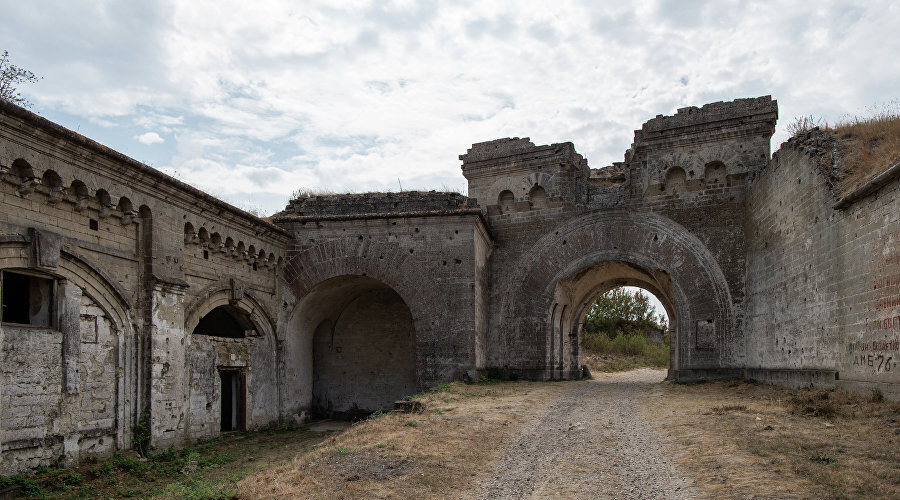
(592, 442)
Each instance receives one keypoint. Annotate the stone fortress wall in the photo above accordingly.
(129, 296)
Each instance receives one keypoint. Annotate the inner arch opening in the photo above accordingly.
(625, 327)
(363, 347)
(225, 321)
(572, 306)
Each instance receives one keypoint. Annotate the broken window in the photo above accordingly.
(225, 321)
(27, 299)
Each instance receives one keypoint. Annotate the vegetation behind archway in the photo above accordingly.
(622, 329)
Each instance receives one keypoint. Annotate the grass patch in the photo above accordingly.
(813, 403)
(207, 470)
(866, 144)
(625, 351)
(773, 442)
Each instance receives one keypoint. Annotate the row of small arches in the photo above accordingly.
(213, 242)
(714, 174)
(537, 198)
(21, 174)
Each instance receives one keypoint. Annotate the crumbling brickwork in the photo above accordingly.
(129, 295)
(822, 275)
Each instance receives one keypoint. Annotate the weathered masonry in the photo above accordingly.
(128, 295)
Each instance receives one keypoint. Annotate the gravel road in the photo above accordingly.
(592, 442)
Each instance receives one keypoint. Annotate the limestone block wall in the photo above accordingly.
(822, 281)
(433, 257)
(31, 397)
(135, 259)
(509, 175)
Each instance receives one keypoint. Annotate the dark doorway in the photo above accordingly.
(234, 400)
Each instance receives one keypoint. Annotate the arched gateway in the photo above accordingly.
(561, 274)
(147, 300)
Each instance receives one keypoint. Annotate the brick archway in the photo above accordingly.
(700, 296)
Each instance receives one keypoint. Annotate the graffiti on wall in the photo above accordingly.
(878, 351)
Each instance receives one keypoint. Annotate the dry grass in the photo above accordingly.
(734, 439)
(609, 363)
(433, 455)
(744, 440)
(867, 144)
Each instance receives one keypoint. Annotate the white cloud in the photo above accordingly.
(352, 95)
(149, 138)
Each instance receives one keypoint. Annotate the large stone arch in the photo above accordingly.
(363, 346)
(699, 295)
(384, 262)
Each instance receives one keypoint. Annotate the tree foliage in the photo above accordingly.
(11, 76)
(622, 311)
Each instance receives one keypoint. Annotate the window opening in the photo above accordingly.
(27, 299)
(224, 321)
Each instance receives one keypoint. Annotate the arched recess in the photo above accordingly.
(21, 170)
(224, 295)
(666, 259)
(537, 196)
(363, 342)
(675, 180)
(104, 354)
(506, 200)
(231, 363)
(714, 174)
(440, 357)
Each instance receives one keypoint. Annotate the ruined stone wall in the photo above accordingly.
(429, 248)
(685, 172)
(822, 281)
(148, 294)
(134, 257)
(692, 168)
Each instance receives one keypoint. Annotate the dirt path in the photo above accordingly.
(592, 442)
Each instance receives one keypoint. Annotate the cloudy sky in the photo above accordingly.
(253, 100)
